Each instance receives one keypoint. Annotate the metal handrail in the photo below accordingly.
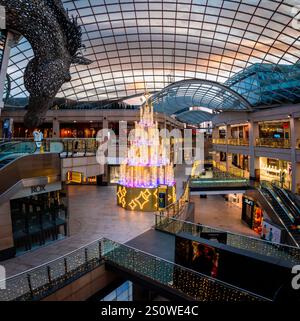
(292, 251)
(39, 282)
(85, 146)
(237, 172)
(221, 141)
(238, 141)
(208, 278)
(281, 221)
(267, 186)
(231, 141)
(179, 206)
(273, 142)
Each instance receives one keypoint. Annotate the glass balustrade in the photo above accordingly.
(273, 142)
(231, 141)
(40, 282)
(188, 282)
(243, 242)
(220, 141)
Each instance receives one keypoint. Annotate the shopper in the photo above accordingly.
(264, 232)
(38, 138)
(271, 235)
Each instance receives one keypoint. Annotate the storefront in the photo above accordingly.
(252, 214)
(236, 199)
(222, 132)
(78, 178)
(39, 218)
(275, 170)
(79, 130)
(19, 130)
(275, 134)
(240, 161)
(240, 131)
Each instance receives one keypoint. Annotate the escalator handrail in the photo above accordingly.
(20, 152)
(287, 203)
(279, 201)
(16, 154)
(9, 144)
(295, 207)
(270, 188)
(261, 189)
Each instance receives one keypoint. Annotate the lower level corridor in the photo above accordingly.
(216, 212)
(93, 214)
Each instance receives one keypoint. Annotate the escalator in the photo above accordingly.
(289, 204)
(285, 208)
(21, 166)
(9, 151)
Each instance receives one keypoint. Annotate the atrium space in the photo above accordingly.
(150, 151)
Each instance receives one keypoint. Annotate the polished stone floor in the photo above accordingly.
(93, 215)
(216, 212)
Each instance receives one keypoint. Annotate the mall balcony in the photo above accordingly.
(231, 141)
(273, 143)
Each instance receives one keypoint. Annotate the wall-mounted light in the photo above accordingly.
(74, 121)
(289, 116)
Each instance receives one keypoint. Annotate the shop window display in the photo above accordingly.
(276, 171)
(257, 219)
(73, 177)
(252, 214)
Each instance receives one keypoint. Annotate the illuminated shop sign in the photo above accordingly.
(74, 177)
(249, 202)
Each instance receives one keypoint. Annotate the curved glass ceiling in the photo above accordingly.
(148, 43)
(195, 92)
(194, 116)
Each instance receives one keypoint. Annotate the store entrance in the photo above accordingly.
(276, 171)
(39, 219)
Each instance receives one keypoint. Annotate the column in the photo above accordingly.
(55, 128)
(215, 132)
(139, 293)
(253, 161)
(105, 175)
(228, 158)
(6, 236)
(295, 134)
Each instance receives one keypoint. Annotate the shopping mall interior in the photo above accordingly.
(150, 150)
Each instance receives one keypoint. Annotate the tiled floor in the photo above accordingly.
(93, 214)
(216, 212)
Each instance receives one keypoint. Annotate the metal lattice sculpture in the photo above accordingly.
(55, 40)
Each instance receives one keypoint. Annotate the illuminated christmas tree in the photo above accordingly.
(147, 171)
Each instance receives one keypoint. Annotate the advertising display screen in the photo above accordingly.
(197, 256)
(270, 232)
(230, 265)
